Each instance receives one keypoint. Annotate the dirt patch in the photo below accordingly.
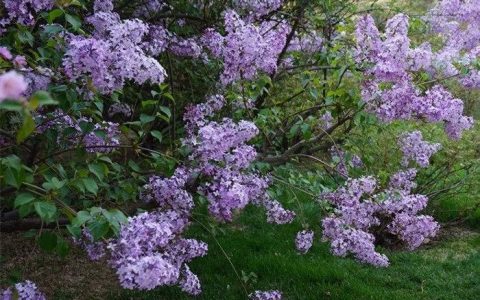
(72, 277)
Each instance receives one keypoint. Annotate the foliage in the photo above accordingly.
(128, 121)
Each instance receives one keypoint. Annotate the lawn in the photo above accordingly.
(264, 257)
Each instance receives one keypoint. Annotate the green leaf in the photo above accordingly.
(45, 210)
(47, 241)
(25, 37)
(166, 111)
(54, 14)
(74, 21)
(81, 218)
(25, 210)
(86, 127)
(76, 231)
(157, 134)
(169, 96)
(146, 118)
(26, 129)
(62, 247)
(98, 170)
(90, 185)
(146, 103)
(43, 98)
(11, 105)
(22, 199)
(98, 229)
(134, 166)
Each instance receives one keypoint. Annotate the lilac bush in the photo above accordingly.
(165, 108)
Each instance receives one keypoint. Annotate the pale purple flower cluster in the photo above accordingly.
(26, 290)
(326, 120)
(149, 8)
(37, 80)
(266, 295)
(308, 43)
(103, 6)
(22, 11)
(414, 148)
(186, 47)
(95, 249)
(113, 55)
(150, 252)
(189, 282)
(12, 86)
(456, 22)
(342, 163)
(258, 8)
(220, 153)
(246, 48)
(362, 214)
(304, 241)
(195, 116)
(119, 109)
(389, 92)
(103, 138)
(170, 192)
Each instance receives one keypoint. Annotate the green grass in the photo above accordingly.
(448, 269)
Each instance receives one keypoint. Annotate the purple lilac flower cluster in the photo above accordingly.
(266, 295)
(304, 241)
(12, 86)
(150, 252)
(361, 208)
(22, 12)
(112, 55)
(342, 162)
(95, 249)
(104, 137)
(119, 109)
(258, 8)
(36, 80)
(246, 48)
(389, 92)
(25, 290)
(309, 43)
(414, 148)
(220, 153)
(170, 192)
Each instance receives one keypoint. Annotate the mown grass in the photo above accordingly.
(265, 258)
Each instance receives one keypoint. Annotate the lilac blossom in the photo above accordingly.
(22, 11)
(246, 49)
(5, 53)
(189, 282)
(119, 109)
(414, 148)
(25, 290)
(112, 55)
(149, 251)
(258, 8)
(389, 91)
(266, 295)
(304, 241)
(12, 86)
(361, 208)
(104, 138)
(95, 249)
